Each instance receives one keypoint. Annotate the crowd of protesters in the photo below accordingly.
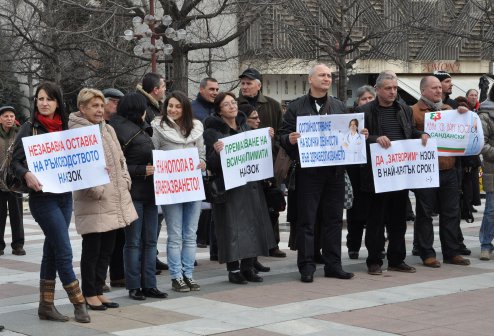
(120, 222)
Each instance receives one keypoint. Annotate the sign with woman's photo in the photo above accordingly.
(457, 134)
(331, 140)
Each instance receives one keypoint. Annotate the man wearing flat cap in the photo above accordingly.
(270, 115)
(10, 201)
(112, 96)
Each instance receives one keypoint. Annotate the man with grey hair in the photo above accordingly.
(445, 198)
(112, 96)
(387, 120)
(317, 188)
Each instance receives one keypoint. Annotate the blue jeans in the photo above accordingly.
(486, 234)
(140, 247)
(53, 212)
(181, 226)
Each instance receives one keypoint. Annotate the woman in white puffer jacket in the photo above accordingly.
(177, 129)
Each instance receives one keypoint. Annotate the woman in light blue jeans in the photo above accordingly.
(177, 129)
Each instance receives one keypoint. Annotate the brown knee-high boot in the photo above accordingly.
(46, 309)
(75, 296)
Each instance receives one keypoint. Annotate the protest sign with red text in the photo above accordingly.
(68, 160)
(407, 164)
(176, 176)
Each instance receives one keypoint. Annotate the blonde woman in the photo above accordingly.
(100, 210)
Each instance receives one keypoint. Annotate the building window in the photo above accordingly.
(286, 87)
(304, 87)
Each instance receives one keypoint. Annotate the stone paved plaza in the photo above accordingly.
(451, 300)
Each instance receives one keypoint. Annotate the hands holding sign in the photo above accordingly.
(386, 143)
(32, 182)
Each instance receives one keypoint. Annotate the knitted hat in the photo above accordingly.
(441, 75)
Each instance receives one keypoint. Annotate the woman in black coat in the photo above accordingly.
(242, 224)
(134, 135)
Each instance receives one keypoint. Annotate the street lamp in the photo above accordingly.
(148, 41)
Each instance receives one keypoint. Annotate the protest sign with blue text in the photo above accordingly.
(407, 164)
(331, 140)
(457, 134)
(68, 160)
(247, 156)
(177, 178)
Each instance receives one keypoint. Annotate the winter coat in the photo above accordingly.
(154, 109)
(202, 108)
(373, 124)
(19, 164)
(6, 139)
(137, 147)
(270, 115)
(243, 227)
(106, 207)
(302, 107)
(169, 138)
(486, 114)
(419, 111)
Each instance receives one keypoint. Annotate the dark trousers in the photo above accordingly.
(117, 271)
(446, 200)
(242, 265)
(13, 203)
(321, 187)
(213, 242)
(203, 227)
(97, 249)
(357, 216)
(387, 210)
(275, 223)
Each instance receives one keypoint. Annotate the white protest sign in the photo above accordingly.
(247, 156)
(68, 160)
(176, 176)
(407, 164)
(457, 134)
(331, 140)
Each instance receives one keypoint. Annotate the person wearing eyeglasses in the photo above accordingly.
(242, 224)
(270, 115)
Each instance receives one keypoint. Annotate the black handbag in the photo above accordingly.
(275, 198)
(214, 188)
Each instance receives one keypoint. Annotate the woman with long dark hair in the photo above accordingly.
(178, 129)
(51, 211)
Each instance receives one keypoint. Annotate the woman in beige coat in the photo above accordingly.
(100, 210)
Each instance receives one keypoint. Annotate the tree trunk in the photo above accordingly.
(342, 83)
(180, 70)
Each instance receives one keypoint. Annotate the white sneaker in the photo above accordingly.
(485, 255)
